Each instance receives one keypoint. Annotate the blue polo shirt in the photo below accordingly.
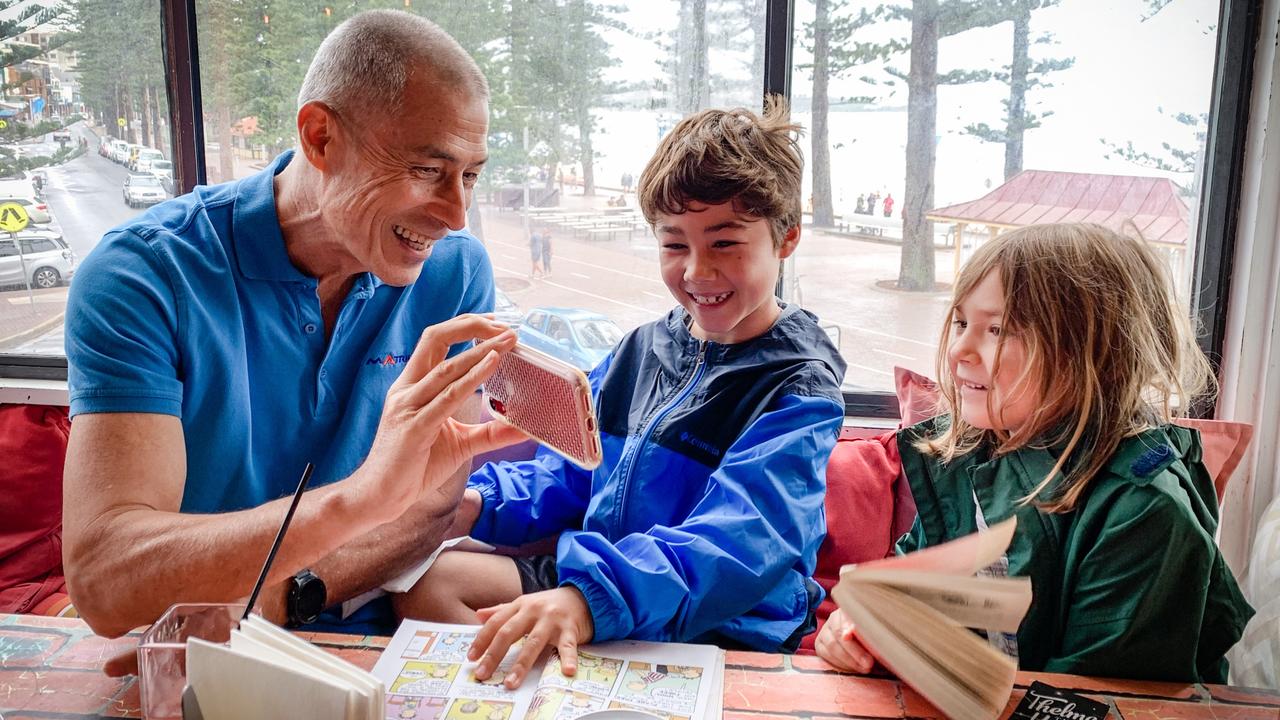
(194, 310)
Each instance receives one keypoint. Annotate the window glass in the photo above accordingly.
(79, 76)
(1037, 111)
(582, 92)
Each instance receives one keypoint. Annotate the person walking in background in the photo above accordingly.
(862, 206)
(888, 205)
(546, 252)
(535, 255)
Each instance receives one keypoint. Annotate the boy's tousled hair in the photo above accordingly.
(716, 156)
(1096, 312)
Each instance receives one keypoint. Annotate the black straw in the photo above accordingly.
(271, 556)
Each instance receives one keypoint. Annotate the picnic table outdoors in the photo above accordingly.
(52, 668)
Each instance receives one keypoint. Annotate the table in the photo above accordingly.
(51, 668)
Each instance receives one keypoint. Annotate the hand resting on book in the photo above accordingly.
(838, 644)
(558, 618)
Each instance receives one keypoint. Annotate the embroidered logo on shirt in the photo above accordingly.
(699, 443)
(389, 359)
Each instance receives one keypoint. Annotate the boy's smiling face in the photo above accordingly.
(722, 266)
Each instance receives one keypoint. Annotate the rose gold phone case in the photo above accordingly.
(548, 399)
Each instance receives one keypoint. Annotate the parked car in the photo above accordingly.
(62, 136)
(104, 146)
(141, 154)
(37, 211)
(119, 151)
(143, 190)
(163, 169)
(579, 337)
(48, 259)
(505, 310)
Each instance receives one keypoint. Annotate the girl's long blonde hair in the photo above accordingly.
(1116, 353)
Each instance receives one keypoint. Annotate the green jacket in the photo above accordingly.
(1129, 585)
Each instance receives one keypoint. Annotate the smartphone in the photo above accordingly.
(548, 399)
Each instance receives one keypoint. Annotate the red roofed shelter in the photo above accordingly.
(1032, 197)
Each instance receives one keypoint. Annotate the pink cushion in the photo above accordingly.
(1224, 442)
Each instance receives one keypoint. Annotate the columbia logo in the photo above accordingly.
(699, 443)
(389, 359)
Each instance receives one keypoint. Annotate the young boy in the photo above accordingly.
(704, 520)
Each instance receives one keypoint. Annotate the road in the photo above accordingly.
(85, 196)
(842, 279)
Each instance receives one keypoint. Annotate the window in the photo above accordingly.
(584, 90)
(86, 80)
(1037, 112)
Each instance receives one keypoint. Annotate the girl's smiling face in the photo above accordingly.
(990, 398)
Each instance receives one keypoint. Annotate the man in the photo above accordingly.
(224, 339)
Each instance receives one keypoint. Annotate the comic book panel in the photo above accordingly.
(560, 704)
(409, 707)
(479, 709)
(596, 674)
(419, 645)
(425, 678)
(669, 688)
(615, 705)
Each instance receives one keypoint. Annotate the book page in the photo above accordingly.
(961, 674)
(429, 678)
(962, 556)
(233, 686)
(673, 681)
(977, 602)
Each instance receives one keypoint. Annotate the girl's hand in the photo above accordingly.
(558, 617)
(838, 644)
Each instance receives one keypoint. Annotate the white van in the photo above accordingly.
(119, 151)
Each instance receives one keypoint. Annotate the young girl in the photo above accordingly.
(1065, 359)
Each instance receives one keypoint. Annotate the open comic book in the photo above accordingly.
(427, 676)
(913, 613)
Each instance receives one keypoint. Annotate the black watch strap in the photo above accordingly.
(306, 599)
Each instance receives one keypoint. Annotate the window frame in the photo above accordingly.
(1218, 210)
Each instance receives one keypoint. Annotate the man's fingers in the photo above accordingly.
(486, 437)
(126, 663)
(452, 381)
(436, 340)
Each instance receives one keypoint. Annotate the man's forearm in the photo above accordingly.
(382, 554)
(133, 563)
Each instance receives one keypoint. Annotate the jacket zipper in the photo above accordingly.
(625, 480)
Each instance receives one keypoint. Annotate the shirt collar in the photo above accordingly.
(259, 244)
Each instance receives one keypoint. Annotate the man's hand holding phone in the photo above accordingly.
(419, 446)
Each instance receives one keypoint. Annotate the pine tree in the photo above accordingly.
(1022, 76)
(23, 16)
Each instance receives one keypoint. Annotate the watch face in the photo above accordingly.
(309, 598)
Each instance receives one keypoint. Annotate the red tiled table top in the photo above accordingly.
(51, 668)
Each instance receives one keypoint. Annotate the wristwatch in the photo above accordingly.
(306, 598)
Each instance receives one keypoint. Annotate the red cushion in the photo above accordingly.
(33, 442)
(862, 507)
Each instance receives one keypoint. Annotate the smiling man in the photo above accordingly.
(223, 340)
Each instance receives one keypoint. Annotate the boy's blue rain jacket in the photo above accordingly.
(704, 520)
